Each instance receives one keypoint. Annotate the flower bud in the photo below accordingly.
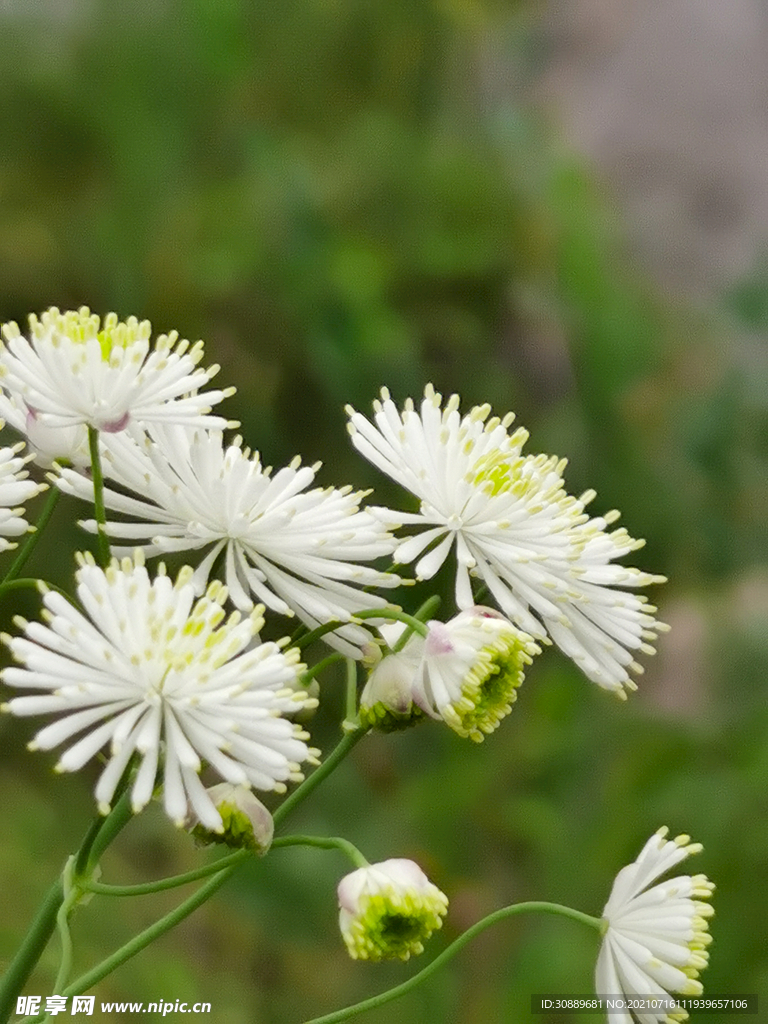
(471, 669)
(386, 702)
(388, 910)
(247, 824)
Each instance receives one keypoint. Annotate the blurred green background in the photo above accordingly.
(329, 194)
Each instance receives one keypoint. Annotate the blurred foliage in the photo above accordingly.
(339, 195)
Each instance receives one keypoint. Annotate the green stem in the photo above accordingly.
(83, 853)
(121, 813)
(325, 843)
(105, 555)
(397, 614)
(387, 612)
(351, 721)
(449, 953)
(337, 755)
(29, 545)
(315, 634)
(114, 823)
(148, 936)
(423, 614)
(30, 950)
(145, 888)
(100, 833)
(62, 922)
(306, 677)
(33, 584)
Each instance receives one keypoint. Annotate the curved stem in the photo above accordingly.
(145, 888)
(99, 510)
(325, 843)
(397, 614)
(145, 938)
(119, 816)
(332, 761)
(451, 951)
(387, 612)
(423, 614)
(306, 677)
(29, 545)
(33, 584)
(71, 900)
(315, 634)
(100, 833)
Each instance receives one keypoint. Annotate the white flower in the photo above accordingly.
(389, 910)
(465, 671)
(74, 371)
(545, 562)
(15, 488)
(153, 673)
(656, 939)
(294, 549)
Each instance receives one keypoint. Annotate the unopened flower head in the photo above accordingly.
(156, 674)
(246, 822)
(386, 702)
(655, 940)
(74, 370)
(471, 669)
(547, 564)
(15, 489)
(465, 672)
(46, 444)
(297, 550)
(389, 910)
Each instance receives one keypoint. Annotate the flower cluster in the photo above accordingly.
(177, 485)
(156, 676)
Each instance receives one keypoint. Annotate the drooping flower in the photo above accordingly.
(74, 370)
(387, 911)
(15, 489)
(471, 670)
(655, 939)
(546, 563)
(246, 822)
(465, 671)
(151, 672)
(296, 550)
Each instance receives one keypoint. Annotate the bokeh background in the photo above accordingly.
(560, 208)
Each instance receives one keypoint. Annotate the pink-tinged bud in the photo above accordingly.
(387, 911)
